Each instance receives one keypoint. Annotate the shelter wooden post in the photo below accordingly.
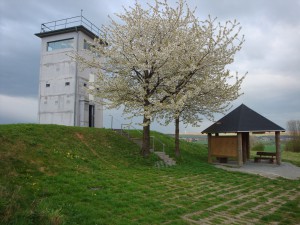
(245, 137)
(240, 149)
(278, 152)
(209, 147)
(248, 145)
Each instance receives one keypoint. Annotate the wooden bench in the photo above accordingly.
(222, 159)
(265, 155)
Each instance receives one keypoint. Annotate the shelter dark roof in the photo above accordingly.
(243, 119)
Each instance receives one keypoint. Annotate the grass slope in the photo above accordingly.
(68, 175)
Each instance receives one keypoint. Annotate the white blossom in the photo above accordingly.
(161, 59)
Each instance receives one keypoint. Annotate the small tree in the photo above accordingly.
(293, 126)
(204, 86)
(212, 96)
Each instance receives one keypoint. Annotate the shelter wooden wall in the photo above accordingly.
(224, 146)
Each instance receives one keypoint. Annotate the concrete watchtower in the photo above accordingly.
(63, 97)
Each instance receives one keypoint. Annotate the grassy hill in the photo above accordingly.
(53, 174)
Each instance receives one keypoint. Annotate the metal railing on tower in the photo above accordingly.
(70, 22)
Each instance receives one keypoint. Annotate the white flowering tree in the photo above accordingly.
(153, 54)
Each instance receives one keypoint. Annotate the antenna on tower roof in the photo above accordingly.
(81, 12)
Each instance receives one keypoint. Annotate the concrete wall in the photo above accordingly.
(63, 97)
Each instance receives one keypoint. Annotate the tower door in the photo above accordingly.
(91, 116)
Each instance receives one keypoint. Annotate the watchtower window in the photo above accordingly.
(60, 44)
(47, 85)
(67, 84)
(86, 45)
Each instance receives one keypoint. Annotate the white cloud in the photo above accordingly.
(271, 86)
(18, 109)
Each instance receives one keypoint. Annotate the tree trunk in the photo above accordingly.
(177, 150)
(146, 138)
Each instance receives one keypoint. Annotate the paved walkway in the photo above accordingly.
(285, 170)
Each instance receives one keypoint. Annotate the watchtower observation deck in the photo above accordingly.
(76, 23)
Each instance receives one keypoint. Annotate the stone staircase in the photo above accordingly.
(166, 159)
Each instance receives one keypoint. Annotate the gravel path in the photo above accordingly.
(285, 170)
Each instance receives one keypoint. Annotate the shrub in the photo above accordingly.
(258, 147)
(293, 146)
(293, 127)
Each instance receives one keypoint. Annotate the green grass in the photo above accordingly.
(53, 174)
(293, 157)
(287, 156)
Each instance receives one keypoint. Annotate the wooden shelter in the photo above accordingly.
(241, 121)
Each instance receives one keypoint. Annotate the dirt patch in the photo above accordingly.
(80, 136)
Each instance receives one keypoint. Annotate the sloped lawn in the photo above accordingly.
(66, 175)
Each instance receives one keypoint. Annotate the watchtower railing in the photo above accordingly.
(70, 22)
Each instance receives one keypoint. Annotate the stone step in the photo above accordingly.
(167, 159)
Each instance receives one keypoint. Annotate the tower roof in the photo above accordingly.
(243, 119)
(77, 23)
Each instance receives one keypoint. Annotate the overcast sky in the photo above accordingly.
(270, 55)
